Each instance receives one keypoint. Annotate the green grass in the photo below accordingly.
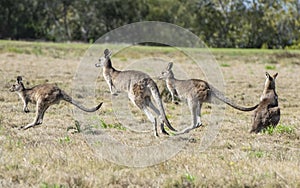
(65, 139)
(225, 65)
(112, 126)
(60, 50)
(279, 129)
(257, 154)
(46, 185)
(270, 67)
(76, 129)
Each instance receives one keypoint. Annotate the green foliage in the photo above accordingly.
(114, 126)
(235, 23)
(65, 139)
(279, 129)
(270, 67)
(77, 128)
(190, 177)
(225, 65)
(47, 185)
(257, 154)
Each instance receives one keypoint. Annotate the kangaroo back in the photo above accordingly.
(219, 95)
(69, 99)
(156, 95)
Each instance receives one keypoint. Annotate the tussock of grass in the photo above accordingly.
(225, 65)
(112, 126)
(279, 129)
(270, 67)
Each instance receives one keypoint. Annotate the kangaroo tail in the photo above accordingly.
(219, 95)
(69, 99)
(156, 95)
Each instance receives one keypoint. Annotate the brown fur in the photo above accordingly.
(43, 96)
(268, 112)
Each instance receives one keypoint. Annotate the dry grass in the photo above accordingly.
(51, 156)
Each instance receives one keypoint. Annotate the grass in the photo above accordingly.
(225, 65)
(76, 129)
(112, 126)
(270, 67)
(280, 129)
(52, 156)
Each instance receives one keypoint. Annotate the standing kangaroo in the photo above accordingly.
(43, 96)
(195, 92)
(139, 86)
(268, 112)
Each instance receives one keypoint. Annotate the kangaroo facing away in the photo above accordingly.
(139, 86)
(43, 96)
(268, 112)
(196, 92)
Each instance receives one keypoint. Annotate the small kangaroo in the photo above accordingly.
(139, 86)
(43, 96)
(196, 92)
(268, 112)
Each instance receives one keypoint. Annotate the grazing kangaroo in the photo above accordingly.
(195, 92)
(43, 96)
(139, 86)
(267, 112)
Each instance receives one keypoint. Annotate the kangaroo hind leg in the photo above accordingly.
(141, 102)
(37, 117)
(152, 119)
(198, 114)
(151, 106)
(193, 105)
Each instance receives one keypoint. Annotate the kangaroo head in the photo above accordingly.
(270, 81)
(105, 60)
(18, 86)
(167, 73)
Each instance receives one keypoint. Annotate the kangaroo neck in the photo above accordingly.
(25, 94)
(171, 81)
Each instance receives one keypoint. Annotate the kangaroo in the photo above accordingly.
(43, 96)
(139, 86)
(196, 92)
(268, 112)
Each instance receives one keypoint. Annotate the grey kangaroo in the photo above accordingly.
(268, 112)
(195, 92)
(139, 86)
(43, 96)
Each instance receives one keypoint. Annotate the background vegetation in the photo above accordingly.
(229, 23)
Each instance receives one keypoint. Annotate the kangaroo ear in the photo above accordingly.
(275, 75)
(107, 53)
(170, 65)
(267, 75)
(19, 79)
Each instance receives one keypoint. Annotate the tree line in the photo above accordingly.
(219, 23)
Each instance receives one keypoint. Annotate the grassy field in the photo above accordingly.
(56, 153)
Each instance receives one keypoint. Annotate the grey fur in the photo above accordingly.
(139, 86)
(196, 92)
(268, 112)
